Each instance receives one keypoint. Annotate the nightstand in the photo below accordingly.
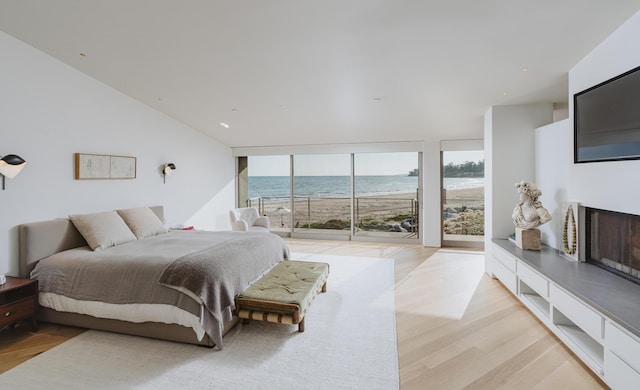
(18, 301)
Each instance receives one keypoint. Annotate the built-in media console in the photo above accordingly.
(594, 312)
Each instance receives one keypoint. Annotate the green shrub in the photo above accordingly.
(333, 224)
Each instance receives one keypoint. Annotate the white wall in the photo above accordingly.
(607, 185)
(432, 214)
(49, 111)
(488, 185)
(553, 160)
(509, 148)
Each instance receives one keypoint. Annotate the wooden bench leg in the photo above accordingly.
(245, 321)
(324, 287)
(301, 326)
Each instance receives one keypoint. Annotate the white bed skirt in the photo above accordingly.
(132, 312)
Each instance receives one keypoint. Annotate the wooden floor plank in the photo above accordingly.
(21, 344)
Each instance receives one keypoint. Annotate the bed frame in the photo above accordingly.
(41, 239)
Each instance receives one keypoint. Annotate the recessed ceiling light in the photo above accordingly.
(525, 69)
(82, 55)
(234, 109)
(504, 93)
(226, 126)
(377, 99)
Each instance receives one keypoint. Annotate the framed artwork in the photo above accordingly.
(104, 166)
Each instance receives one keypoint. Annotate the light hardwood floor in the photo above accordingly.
(457, 327)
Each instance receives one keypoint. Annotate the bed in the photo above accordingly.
(140, 278)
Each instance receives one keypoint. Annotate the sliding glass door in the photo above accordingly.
(463, 198)
(364, 196)
(385, 195)
(269, 189)
(322, 194)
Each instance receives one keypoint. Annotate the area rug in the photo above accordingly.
(349, 343)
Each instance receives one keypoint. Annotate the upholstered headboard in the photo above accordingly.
(41, 239)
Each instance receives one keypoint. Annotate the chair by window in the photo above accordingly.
(248, 219)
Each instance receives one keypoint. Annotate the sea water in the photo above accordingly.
(277, 187)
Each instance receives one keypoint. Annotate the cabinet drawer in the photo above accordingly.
(618, 374)
(533, 280)
(14, 312)
(506, 276)
(505, 258)
(588, 320)
(624, 345)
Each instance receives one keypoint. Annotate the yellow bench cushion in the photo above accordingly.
(288, 288)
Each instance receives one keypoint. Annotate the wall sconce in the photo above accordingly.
(166, 171)
(10, 166)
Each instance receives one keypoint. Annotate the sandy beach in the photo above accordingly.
(367, 208)
(464, 197)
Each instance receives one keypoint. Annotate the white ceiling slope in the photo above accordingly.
(282, 72)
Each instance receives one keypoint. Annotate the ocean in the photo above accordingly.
(277, 187)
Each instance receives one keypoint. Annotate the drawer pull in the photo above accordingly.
(7, 314)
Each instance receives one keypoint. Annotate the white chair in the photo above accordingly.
(247, 219)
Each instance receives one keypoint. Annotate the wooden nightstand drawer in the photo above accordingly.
(15, 312)
(18, 301)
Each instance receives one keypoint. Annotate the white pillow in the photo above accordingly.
(143, 222)
(102, 230)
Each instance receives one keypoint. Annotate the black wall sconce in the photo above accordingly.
(166, 171)
(10, 166)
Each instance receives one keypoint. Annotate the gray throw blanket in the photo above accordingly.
(217, 274)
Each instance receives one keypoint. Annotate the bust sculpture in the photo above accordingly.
(529, 213)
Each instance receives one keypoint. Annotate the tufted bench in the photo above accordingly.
(283, 295)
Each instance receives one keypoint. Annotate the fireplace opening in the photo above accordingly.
(613, 242)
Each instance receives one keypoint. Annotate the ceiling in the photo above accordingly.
(295, 72)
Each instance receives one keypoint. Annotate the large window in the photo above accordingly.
(365, 195)
(269, 189)
(322, 193)
(385, 194)
(462, 197)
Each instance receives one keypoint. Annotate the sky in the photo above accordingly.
(339, 164)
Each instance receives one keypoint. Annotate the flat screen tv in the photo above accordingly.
(607, 120)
